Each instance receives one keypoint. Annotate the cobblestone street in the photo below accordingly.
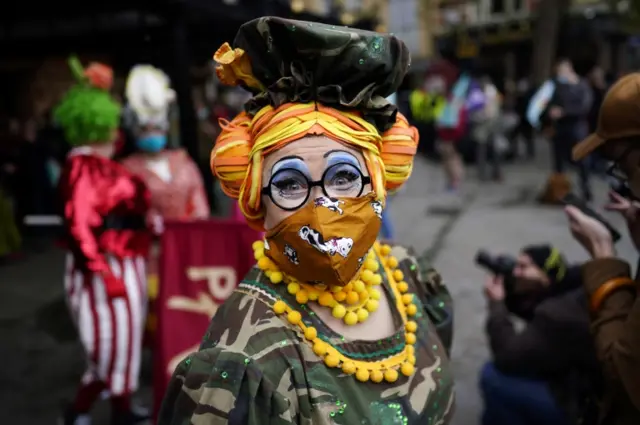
(43, 362)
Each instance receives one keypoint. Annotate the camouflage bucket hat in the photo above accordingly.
(301, 62)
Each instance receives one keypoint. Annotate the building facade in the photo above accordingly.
(499, 34)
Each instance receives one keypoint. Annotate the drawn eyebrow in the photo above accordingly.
(338, 156)
(331, 152)
(292, 161)
(284, 158)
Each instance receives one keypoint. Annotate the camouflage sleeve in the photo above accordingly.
(218, 387)
(434, 295)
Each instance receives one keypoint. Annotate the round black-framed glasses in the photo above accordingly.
(290, 188)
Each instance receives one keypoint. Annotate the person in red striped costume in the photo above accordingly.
(108, 232)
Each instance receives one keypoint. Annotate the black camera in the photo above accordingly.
(499, 265)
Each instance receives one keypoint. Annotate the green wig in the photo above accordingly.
(87, 113)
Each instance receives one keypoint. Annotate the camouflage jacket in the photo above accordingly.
(254, 368)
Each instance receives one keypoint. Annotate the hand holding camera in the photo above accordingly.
(494, 288)
(590, 233)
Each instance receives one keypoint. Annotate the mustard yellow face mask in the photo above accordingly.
(326, 241)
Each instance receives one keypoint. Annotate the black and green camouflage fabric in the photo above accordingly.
(337, 66)
(254, 368)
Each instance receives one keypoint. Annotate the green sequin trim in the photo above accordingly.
(381, 353)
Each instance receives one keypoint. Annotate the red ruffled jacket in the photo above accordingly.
(105, 208)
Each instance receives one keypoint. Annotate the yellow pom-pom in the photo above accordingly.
(412, 309)
(320, 348)
(411, 359)
(377, 279)
(338, 311)
(349, 368)
(385, 250)
(398, 275)
(366, 276)
(362, 315)
(392, 262)
(326, 299)
(359, 286)
(374, 294)
(332, 360)
(276, 277)
(294, 317)
(348, 287)
(268, 273)
(362, 375)
(340, 296)
(293, 288)
(372, 265)
(258, 253)
(409, 337)
(279, 307)
(372, 305)
(411, 326)
(264, 263)
(302, 296)
(363, 296)
(407, 299)
(411, 350)
(257, 245)
(313, 295)
(352, 298)
(351, 318)
(390, 375)
(310, 333)
(403, 287)
(407, 369)
(376, 376)
(335, 289)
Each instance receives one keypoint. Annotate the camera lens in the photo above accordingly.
(483, 258)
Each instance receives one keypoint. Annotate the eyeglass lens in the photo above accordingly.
(290, 188)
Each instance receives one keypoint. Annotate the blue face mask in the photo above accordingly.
(152, 143)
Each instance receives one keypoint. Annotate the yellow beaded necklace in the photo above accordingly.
(357, 312)
(351, 303)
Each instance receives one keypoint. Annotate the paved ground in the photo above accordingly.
(42, 362)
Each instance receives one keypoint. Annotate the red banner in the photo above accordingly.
(201, 262)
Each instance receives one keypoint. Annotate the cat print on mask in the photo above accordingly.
(291, 254)
(341, 246)
(332, 204)
(377, 208)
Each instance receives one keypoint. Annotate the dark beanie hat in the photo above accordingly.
(549, 259)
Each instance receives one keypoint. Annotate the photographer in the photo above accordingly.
(545, 374)
(612, 293)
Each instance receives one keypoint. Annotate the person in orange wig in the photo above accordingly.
(330, 326)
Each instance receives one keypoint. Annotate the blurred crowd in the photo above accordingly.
(490, 124)
(550, 324)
